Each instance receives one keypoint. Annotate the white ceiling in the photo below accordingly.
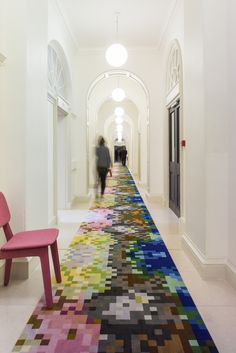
(141, 22)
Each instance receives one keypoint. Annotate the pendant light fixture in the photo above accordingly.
(119, 119)
(116, 54)
(119, 111)
(118, 94)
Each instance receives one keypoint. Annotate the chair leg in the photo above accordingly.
(56, 262)
(7, 272)
(46, 278)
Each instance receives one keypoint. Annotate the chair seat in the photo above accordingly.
(31, 239)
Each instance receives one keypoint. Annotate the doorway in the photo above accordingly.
(174, 158)
(117, 153)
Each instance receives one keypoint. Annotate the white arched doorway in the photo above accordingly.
(100, 110)
(106, 126)
(58, 132)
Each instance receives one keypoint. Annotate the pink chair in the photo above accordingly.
(29, 243)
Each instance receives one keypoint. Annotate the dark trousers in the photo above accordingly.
(102, 173)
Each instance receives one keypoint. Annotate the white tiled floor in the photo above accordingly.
(216, 300)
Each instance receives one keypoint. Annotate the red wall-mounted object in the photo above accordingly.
(183, 143)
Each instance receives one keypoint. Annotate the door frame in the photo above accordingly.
(52, 161)
(175, 107)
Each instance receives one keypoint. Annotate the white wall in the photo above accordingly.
(232, 128)
(159, 123)
(36, 115)
(59, 34)
(194, 118)
(206, 121)
(13, 108)
(24, 39)
(217, 127)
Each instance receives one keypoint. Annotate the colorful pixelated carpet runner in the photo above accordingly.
(121, 291)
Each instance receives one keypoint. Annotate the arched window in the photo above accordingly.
(56, 74)
(174, 67)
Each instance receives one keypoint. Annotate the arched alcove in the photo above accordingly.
(130, 137)
(99, 97)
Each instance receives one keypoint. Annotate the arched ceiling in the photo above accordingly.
(107, 109)
(100, 93)
(101, 116)
(110, 128)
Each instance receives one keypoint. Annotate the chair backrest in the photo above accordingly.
(4, 211)
(5, 217)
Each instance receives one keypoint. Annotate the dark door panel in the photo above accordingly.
(174, 159)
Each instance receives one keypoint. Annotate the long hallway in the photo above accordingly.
(121, 291)
(168, 104)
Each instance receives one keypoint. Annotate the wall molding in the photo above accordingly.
(53, 221)
(214, 268)
(182, 224)
(22, 268)
(172, 95)
(139, 182)
(231, 274)
(155, 198)
(81, 199)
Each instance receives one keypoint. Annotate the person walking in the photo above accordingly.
(103, 162)
(124, 155)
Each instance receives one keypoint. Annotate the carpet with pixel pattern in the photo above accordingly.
(120, 290)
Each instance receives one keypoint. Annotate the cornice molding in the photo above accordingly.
(66, 22)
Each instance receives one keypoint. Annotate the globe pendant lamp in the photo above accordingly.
(116, 54)
(119, 111)
(118, 94)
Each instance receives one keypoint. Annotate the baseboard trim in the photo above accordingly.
(140, 183)
(52, 222)
(159, 199)
(208, 268)
(231, 274)
(182, 223)
(22, 268)
(68, 205)
(81, 198)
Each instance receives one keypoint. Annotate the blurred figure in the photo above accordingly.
(120, 154)
(123, 156)
(103, 163)
(116, 155)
